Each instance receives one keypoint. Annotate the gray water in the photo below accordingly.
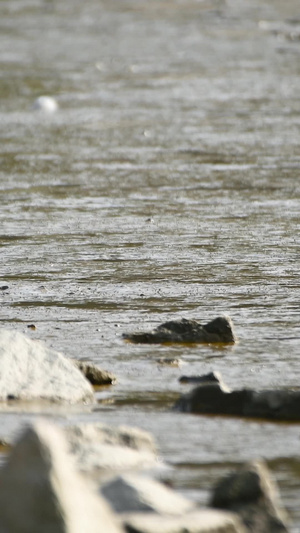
(166, 185)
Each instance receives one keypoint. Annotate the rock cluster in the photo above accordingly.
(90, 478)
(29, 371)
(42, 489)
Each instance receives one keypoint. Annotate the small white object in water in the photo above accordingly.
(46, 104)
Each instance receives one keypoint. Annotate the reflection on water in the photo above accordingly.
(165, 185)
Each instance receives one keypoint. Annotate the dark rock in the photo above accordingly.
(211, 377)
(12, 397)
(278, 404)
(216, 398)
(219, 330)
(253, 495)
(94, 374)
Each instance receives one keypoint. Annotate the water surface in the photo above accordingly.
(165, 186)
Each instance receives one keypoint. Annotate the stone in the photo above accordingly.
(99, 448)
(219, 330)
(41, 490)
(212, 398)
(252, 494)
(45, 104)
(136, 493)
(170, 361)
(215, 398)
(31, 371)
(128, 436)
(211, 377)
(202, 521)
(277, 404)
(94, 374)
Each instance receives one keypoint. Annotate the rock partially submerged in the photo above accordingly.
(41, 490)
(252, 494)
(211, 377)
(215, 398)
(45, 104)
(31, 371)
(94, 374)
(219, 330)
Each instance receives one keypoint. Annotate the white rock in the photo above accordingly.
(31, 371)
(128, 436)
(102, 458)
(41, 490)
(206, 521)
(99, 448)
(46, 104)
(136, 493)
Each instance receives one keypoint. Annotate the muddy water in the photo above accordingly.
(166, 185)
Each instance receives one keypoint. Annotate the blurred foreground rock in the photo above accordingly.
(31, 371)
(136, 493)
(42, 491)
(101, 449)
(219, 330)
(213, 397)
(252, 494)
(205, 521)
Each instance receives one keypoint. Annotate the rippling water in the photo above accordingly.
(166, 185)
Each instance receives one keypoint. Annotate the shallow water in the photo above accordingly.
(166, 185)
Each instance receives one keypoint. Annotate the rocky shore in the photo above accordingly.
(94, 477)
